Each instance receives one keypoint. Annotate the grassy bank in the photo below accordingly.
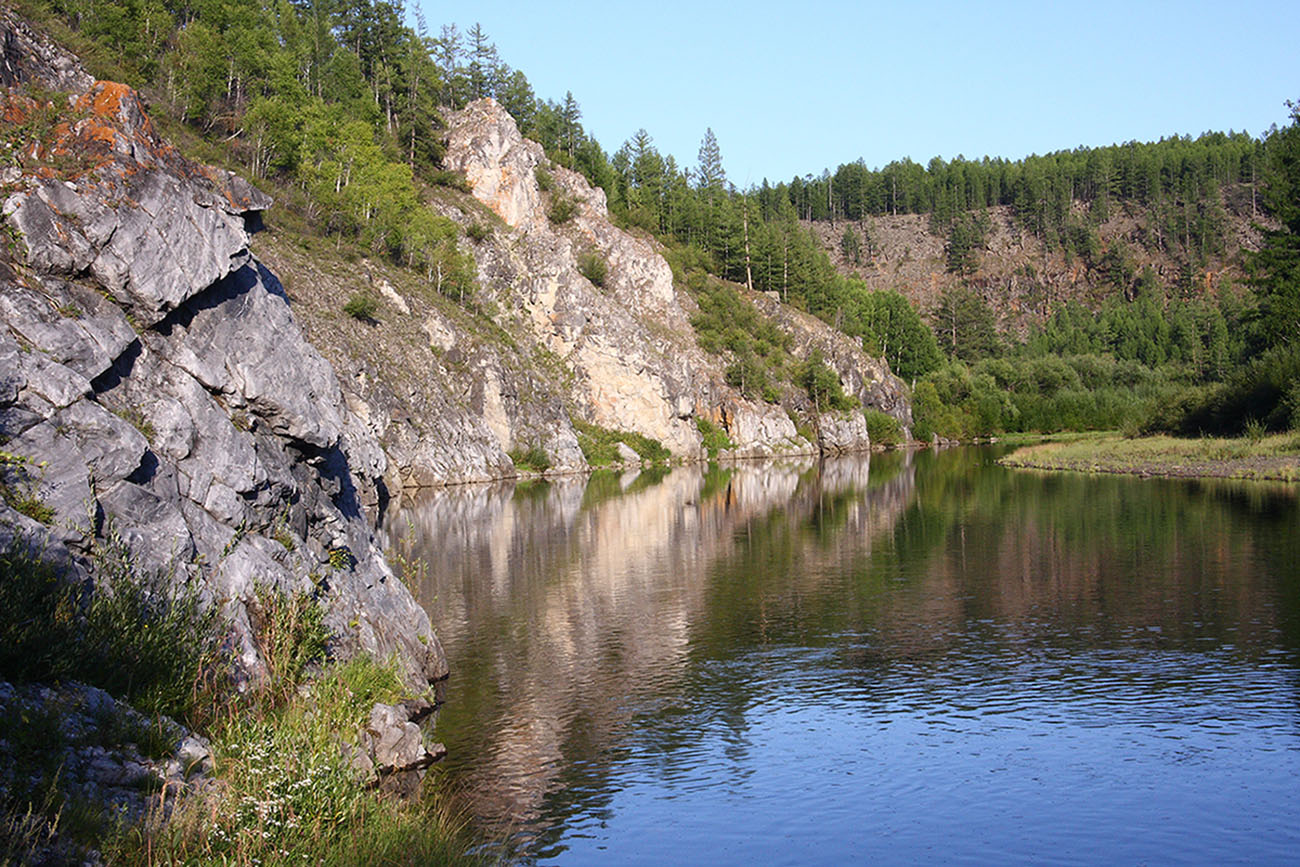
(1275, 457)
(282, 786)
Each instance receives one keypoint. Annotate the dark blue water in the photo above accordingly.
(912, 658)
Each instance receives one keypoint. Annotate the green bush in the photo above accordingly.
(545, 180)
(822, 384)
(291, 635)
(563, 209)
(600, 445)
(362, 306)
(531, 459)
(714, 438)
(882, 427)
(454, 180)
(18, 488)
(593, 266)
(477, 232)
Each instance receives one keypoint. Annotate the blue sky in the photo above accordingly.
(792, 88)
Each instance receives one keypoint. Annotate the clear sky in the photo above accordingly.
(795, 87)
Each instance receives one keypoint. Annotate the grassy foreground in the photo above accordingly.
(1275, 457)
(282, 789)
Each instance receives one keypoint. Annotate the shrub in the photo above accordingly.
(18, 488)
(562, 210)
(715, 439)
(478, 231)
(454, 180)
(290, 632)
(362, 306)
(822, 384)
(882, 427)
(593, 266)
(143, 635)
(534, 458)
(545, 180)
(600, 445)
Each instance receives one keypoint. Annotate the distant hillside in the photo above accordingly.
(1023, 279)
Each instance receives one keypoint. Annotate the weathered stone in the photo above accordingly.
(111, 447)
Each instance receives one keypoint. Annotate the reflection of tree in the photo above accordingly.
(571, 615)
(659, 618)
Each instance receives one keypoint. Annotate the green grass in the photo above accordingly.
(532, 459)
(600, 444)
(1273, 457)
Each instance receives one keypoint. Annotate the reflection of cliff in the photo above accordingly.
(560, 613)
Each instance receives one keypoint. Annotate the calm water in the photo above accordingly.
(908, 658)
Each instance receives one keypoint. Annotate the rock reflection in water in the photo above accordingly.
(602, 586)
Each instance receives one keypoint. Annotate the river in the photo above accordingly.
(897, 658)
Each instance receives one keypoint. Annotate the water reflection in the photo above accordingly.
(851, 654)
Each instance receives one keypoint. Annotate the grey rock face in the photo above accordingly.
(159, 388)
(629, 344)
(393, 755)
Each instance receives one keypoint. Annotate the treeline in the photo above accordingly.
(337, 102)
(1142, 364)
(1177, 183)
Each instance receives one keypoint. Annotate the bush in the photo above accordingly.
(545, 180)
(882, 427)
(291, 635)
(600, 445)
(18, 488)
(823, 384)
(714, 438)
(532, 459)
(477, 232)
(593, 266)
(454, 180)
(562, 210)
(362, 306)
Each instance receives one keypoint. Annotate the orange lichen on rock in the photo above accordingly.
(105, 98)
(17, 109)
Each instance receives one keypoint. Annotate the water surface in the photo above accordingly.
(894, 659)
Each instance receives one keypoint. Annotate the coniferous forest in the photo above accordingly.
(337, 108)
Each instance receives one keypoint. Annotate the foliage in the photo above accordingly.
(531, 459)
(362, 306)
(713, 438)
(726, 324)
(287, 792)
(478, 232)
(290, 632)
(600, 444)
(139, 634)
(593, 266)
(822, 384)
(563, 209)
(18, 488)
(882, 427)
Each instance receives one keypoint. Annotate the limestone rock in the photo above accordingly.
(158, 389)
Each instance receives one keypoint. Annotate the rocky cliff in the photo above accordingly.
(1020, 277)
(450, 389)
(155, 385)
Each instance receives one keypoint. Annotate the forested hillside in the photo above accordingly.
(1134, 271)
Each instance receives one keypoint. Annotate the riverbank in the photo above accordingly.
(1271, 458)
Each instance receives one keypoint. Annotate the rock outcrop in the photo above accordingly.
(155, 385)
(451, 387)
(627, 343)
